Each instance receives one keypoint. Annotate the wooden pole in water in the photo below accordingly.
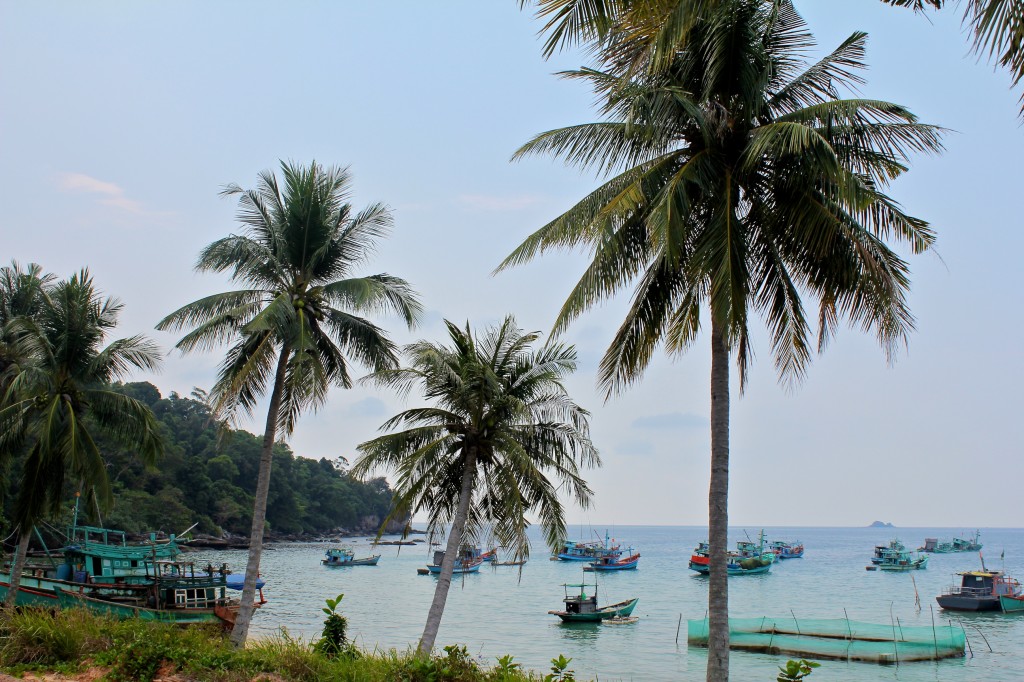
(795, 621)
(895, 648)
(966, 638)
(679, 625)
(935, 637)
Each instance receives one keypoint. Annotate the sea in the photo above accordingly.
(504, 610)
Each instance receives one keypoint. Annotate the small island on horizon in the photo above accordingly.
(881, 524)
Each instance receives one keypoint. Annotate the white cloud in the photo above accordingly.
(112, 195)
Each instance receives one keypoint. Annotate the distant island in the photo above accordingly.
(881, 524)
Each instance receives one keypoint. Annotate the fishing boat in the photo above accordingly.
(463, 564)
(980, 591)
(593, 550)
(177, 594)
(747, 549)
(902, 561)
(610, 563)
(1011, 603)
(882, 550)
(100, 557)
(968, 544)
(346, 556)
(787, 550)
(754, 565)
(582, 608)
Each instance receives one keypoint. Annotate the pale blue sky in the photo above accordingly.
(120, 121)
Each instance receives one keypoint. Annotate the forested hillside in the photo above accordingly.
(208, 475)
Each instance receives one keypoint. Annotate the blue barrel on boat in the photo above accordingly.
(81, 576)
(64, 572)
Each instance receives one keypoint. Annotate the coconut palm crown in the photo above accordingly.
(501, 426)
(300, 316)
(743, 183)
(60, 394)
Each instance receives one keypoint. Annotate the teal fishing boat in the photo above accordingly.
(176, 593)
(346, 556)
(99, 557)
(967, 544)
(581, 607)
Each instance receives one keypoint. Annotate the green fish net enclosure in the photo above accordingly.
(837, 638)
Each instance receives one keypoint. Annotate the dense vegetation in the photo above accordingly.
(70, 642)
(208, 475)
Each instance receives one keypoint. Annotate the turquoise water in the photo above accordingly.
(495, 612)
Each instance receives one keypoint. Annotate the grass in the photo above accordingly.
(73, 641)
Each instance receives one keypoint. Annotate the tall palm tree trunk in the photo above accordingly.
(259, 511)
(451, 551)
(18, 566)
(718, 509)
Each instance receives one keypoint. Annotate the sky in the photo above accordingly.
(120, 122)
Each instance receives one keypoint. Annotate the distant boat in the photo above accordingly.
(346, 556)
(787, 550)
(968, 544)
(582, 608)
(754, 565)
(896, 558)
(467, 562)
(610, 563)
(980, 591)
(593, 550)
(881, 551)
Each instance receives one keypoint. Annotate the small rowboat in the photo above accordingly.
(461, 566)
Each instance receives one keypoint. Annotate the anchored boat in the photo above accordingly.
(346, 556)
(981, 591)
(581, 607)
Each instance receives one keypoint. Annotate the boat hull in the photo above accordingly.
(368, 561)
(436, 570)
(953, 602)
(1011, 604)
(621, 609)
(124, 611)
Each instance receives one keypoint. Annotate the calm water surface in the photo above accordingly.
(495, 612)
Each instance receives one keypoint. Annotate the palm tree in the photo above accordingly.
(501, 423)
(22, 291)
(660, 26)
(749, 184)
(299, 315)
(61, 393)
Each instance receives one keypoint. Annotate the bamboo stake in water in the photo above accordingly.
(966, 638)
(679, 625)
(895, 648)
(935, 637)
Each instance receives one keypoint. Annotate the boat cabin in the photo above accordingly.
(580, 602)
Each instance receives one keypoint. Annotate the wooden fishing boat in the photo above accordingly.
(979, 591)
(882, 550)
(968, 544)
(588, 551)
(609, 563)
(465, 563)
(346, 556)
(582, 608)
(787, 550)
(177, 594)
(700, 563)
(1011, 603)
(902, 561)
